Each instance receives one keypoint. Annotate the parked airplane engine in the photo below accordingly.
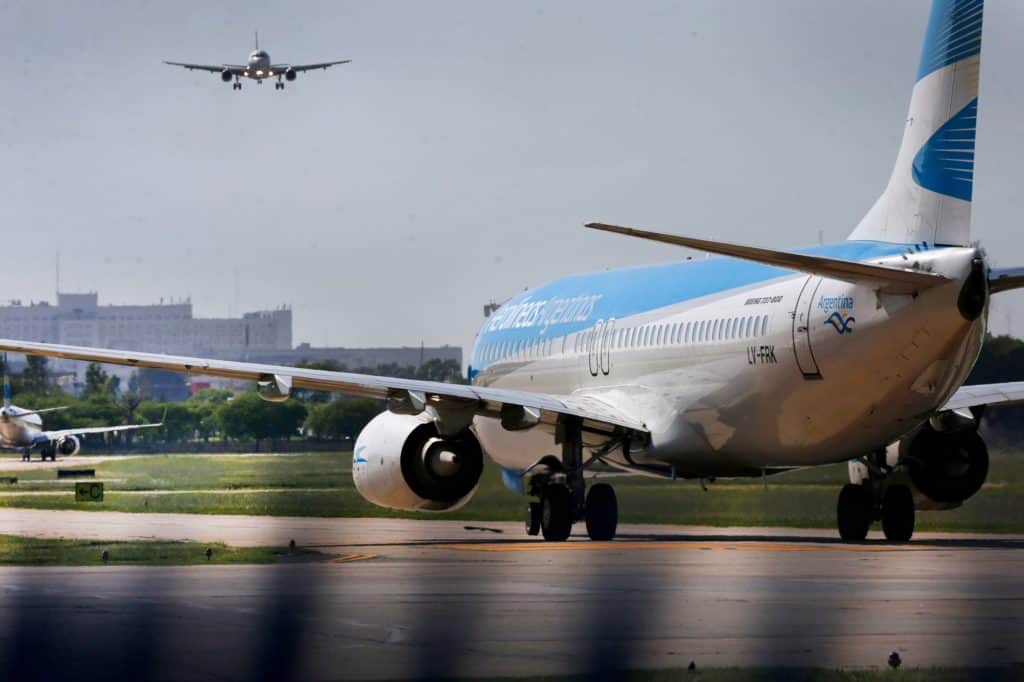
(290, 74)
(401, 462)
(945, 467)
(226, 75)
(69, 445)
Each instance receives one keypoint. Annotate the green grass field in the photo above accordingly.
(320, 484)
(23, 551)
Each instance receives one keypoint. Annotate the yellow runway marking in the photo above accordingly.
(349, 558)
(686, 544)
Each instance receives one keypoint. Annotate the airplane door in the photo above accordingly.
(607, 337)
(801, 329)
(595, 342)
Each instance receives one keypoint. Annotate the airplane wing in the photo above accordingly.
(893, 280)
(56, 435)
(213, 68)
(519, 409)
(306, 67)
(991, 395)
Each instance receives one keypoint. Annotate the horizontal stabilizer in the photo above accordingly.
(889, 279)
(22, 413)
(1005, 279)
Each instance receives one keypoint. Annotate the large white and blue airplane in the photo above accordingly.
(752, 363)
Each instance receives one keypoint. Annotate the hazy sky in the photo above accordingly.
(455, 159)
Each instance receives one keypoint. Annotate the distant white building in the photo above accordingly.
(79, 320)
(262, 336)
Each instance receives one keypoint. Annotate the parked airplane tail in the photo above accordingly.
(7, 382)
(928, 198)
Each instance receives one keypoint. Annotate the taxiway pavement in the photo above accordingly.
(433, 599)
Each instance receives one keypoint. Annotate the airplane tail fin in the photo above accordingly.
(257, 33)
(7, 383)
(928, 198)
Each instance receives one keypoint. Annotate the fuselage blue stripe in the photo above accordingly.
(567, 305)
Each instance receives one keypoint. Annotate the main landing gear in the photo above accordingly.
(279, 85)
(236, 86)
(875, 498)
(562, 499)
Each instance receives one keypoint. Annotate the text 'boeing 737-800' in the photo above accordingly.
(753, 362)
(258, 68)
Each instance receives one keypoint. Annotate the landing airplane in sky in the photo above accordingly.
(22, 429)
(258, 68)
(747, 365)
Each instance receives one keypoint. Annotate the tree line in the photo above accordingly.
(213, 413)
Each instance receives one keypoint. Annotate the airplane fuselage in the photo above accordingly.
(259, 66)
(738, 367)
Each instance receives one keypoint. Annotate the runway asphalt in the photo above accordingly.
(432, 599)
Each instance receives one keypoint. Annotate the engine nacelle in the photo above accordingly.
(69, 446)
(274, 388)
(226, 75)
(401, 461)
(945, 467)
(290, 74)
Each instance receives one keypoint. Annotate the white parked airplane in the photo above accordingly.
(258, 68)
(22, 429)
(751, 364)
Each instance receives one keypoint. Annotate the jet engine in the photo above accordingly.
(290, 74)
(946, 467)
(402, 462)
(226, 75)
(69, 445)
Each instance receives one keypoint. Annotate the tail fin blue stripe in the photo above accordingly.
(945, 163)
(954, 33)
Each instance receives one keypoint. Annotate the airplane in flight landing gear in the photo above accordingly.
(751, 363)
(258, 68)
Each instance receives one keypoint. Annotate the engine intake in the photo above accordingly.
(402, 462)
(290, 74)
(947, 468)
(69, 445)
(226, 75)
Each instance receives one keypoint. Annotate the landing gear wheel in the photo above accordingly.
(853, 513)
(556, 513)
(898, 513)
(601, 512)
(533, 514)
